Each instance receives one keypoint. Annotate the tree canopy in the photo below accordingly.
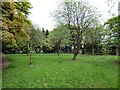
(15, 23)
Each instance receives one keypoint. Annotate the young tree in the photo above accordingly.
(59, 36)
(37, 37)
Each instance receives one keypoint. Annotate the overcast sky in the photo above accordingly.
(40, 13)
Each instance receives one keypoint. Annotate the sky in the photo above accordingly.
(40, 13)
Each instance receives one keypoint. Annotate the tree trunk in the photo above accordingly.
(93, 52)
(27, 52)
(75, 55)
(30, 62)
(77, 43)
(57, 49)
(117, 51)
(76, 50)
(27, 48)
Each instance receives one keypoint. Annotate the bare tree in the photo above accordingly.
(79, 16)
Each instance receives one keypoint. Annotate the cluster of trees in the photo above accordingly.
(85, 28)
(78, 30)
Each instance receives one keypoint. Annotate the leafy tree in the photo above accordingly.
(14, 23)
(59, 36)
(94, 36)
(114, 32)
(47, 45)
(37, 38)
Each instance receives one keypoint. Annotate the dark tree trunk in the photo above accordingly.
(76, 49)
(27, 48)
(77, 43)
(75, 55)
(27, 52)
(30, 62)
(76, 37)
(57, 49)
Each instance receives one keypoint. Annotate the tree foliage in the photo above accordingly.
(114, 32)
(15, 23)
(37, 37)
(60, 36)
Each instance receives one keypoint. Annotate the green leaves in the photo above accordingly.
(23, 7)
(37, 36)
(113, 27)
(14, 22)
(60, 35)
(8, 39)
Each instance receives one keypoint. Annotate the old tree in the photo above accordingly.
(79, 16)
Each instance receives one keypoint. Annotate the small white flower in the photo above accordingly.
(45, 84)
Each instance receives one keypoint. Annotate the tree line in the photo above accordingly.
(78, 30)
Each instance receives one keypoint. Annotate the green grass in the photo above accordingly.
(48, 72)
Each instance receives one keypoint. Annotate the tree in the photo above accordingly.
(59, 36)
(15, 24)
(37, 38)
(114, 32)
(94, 36)
(79, 16)
(46, 33)
(43, 31)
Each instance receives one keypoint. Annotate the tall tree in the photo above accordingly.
(37, 38)
(79, 16)
(114, 32)
(15, 25)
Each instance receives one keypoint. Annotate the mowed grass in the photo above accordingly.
(52, 71)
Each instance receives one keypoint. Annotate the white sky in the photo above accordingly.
(40, 13)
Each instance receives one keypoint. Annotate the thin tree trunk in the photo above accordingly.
(27, 48)
(27, 52)
(117, 51)
(58, 50)
(30, 62)
(93, 52)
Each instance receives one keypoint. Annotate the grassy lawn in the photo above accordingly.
(52, 71)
